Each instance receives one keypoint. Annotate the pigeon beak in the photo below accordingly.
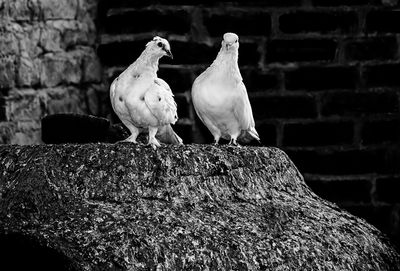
(228, 45)
(169, 54)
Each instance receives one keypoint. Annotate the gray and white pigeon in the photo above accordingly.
(143, 101)
(220, 97)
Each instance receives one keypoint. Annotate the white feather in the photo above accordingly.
(220, 98)
(142, 100)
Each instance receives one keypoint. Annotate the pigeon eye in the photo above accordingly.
(236, 41)
(159, 44)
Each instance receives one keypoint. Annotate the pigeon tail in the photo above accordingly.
(167, 135)
(249, 135)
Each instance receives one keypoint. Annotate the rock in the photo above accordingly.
(191, 207)
(92, 72)
(7, 130)
(29, 39)
(8, 43)
(60, 68)
(55, 9)
(7, 72)
(63, 100)
(50, 38)
(79, 33)
(23, 105)
(28, 72)
(24, 10)
(27, 133)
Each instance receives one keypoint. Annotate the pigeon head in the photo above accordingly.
(230, 41)
(160, 47)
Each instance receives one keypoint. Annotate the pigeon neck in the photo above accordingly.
(227, 61)
(148, 62)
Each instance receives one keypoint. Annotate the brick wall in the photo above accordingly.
(323, 77)
(48, 64)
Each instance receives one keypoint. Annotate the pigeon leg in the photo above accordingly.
(233, 141)
(216, 139)
(153, 142)
(134, 133)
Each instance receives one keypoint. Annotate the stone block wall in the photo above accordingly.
(323, 77)
(48, 64)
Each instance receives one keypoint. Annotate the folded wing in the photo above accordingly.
(160, 101)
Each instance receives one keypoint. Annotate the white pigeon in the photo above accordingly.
(220, 97)
(142, 100)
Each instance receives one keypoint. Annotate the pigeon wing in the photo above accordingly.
(242, 108)
(243, 112)
(160, 101)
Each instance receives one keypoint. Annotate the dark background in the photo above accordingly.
(323, 79)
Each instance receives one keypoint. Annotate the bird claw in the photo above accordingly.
(154, 144)
(233, 142)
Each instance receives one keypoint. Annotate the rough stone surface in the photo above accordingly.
(46, 47)
(192, 207)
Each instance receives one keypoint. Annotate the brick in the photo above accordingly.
(7, 72)
(387, 189)
(383, 21)
(361, 103)
(91, 68)
(141, 21)
(7, 132)
(330, 3)
(392, 160)
(183, 106)
(371, 48)
(191, 53)
(142, 3)
(272, 107)
(28, 73)
(267, 133)
(318, 133)
(8, 43)
(256, 80)
(346, 161)
(54, 9)
(270, 3)
(382, 75)
(249, 54)
(24, 10)
(61, 68)
(241, 23)
(379, 131)
(63, 100)
(23, 105)
(300, 50)
(27, 133)
(339, 191)
(387, 3)
(320, 22)
(179, 79)
(125, 53)
(120, 53)
(321, 78)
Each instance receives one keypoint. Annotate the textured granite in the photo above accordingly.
(192, 207)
